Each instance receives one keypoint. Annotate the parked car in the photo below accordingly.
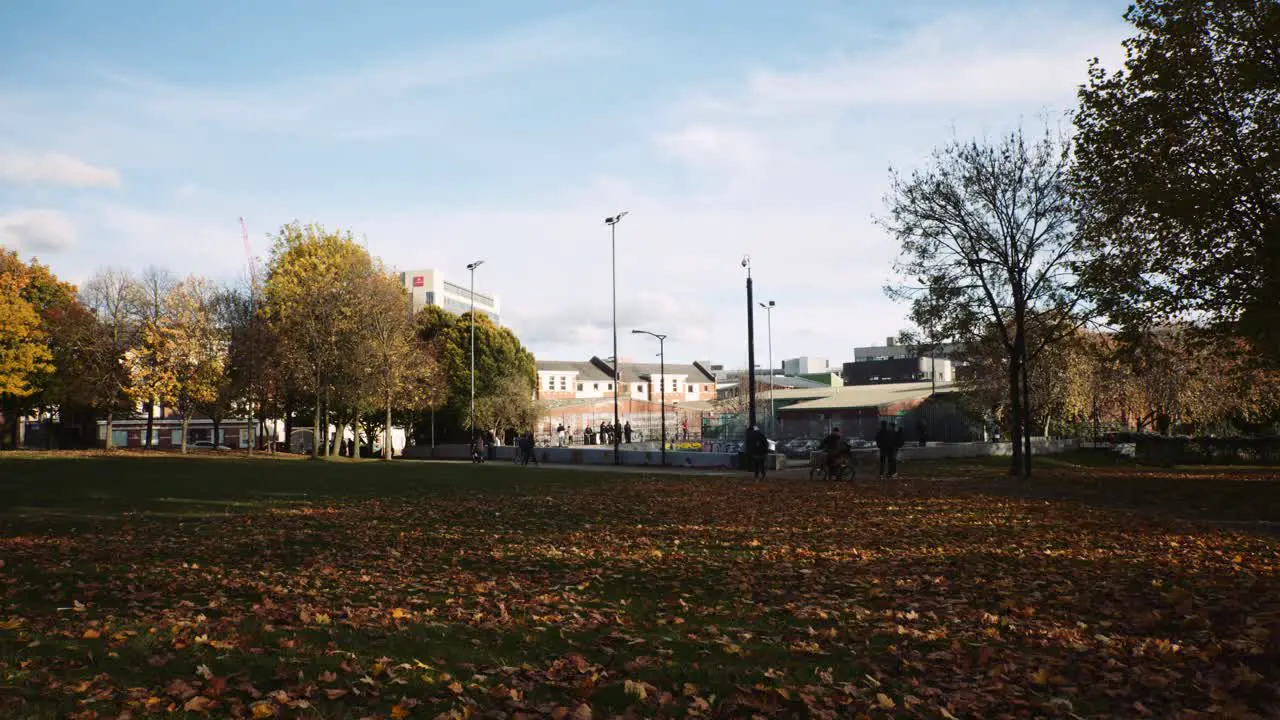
(208, 445)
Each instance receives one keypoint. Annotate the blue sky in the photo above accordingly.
(137, 133)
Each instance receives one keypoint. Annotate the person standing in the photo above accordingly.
(684, 427)
(626, 433)
(757, 450)
(884, 443)
(560, 435)
(922, 433)
(899, 440)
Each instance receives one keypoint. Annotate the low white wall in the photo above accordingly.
(939, 451)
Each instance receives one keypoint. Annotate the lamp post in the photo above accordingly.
(751, 348)
(773, 418)
(662, 372)
(472, 267)
(612, 222)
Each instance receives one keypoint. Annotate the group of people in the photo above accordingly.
(889, 440)
(605, 436)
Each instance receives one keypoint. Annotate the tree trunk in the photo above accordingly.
(1015, 412)
(315, 427)
(386, 433)
(186, 423)
(48, 429)
(151, 411)
(110, 424)
(355, 434)
(217, 425)
(1026, 417)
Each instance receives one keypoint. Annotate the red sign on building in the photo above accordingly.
(417, 280)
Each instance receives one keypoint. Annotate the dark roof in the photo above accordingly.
(598, 369)
(585, 370)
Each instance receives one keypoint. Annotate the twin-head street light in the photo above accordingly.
(612, 222)
(662, 373)
(472, 267)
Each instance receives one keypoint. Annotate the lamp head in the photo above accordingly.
(746, 261)
(475, 265)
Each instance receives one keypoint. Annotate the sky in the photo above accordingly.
(135, 134)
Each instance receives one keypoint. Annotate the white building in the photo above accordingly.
(429, 287)
(805, 366)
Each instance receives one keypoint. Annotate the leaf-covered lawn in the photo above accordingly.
(229, 588)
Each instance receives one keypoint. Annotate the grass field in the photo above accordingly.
(223, 587)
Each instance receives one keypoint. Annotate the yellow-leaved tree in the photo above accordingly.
(181, 358)
(314, 282)
(24, 355)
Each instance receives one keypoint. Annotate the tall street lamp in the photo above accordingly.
(662, 372)
(751, 348)
(472, 267)
(773, 418)
(612, 222)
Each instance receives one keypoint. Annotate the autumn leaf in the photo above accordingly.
(884, 702)
(263, 709)
(399, 712)
(199, 703)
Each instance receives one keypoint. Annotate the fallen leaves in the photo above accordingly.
(595, 598)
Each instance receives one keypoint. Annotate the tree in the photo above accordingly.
(30, 300)
(499, 355)
(987, 236)
(1178, 169)
(311, 282)
(152, 287)
(23, 353)
(508, 405)
(112, 295)
(181, 359)
(402, 370)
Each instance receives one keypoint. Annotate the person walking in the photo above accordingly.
(884, 443)
(684, 428)
(603, 437)
(922, 433)
(560, 435)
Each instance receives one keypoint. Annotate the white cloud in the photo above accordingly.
(713, 147)
(55, 169)
(35, 231)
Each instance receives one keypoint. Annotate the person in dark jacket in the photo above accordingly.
(626, 433)
(899, 440)
(884, 443)
(757, 449)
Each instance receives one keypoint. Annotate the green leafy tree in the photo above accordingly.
(1178, 167)
(498, 356)
(986, 234)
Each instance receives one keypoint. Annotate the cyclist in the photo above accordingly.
(835, 448)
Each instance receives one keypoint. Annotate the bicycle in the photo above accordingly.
(820, 469)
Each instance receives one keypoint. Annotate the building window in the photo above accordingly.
(563, 381)
(551, 383)
(640, 388)
(595, 386)
(579, 387)
(609, 386)
(675, 386)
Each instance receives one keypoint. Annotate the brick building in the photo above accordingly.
(578, 394)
